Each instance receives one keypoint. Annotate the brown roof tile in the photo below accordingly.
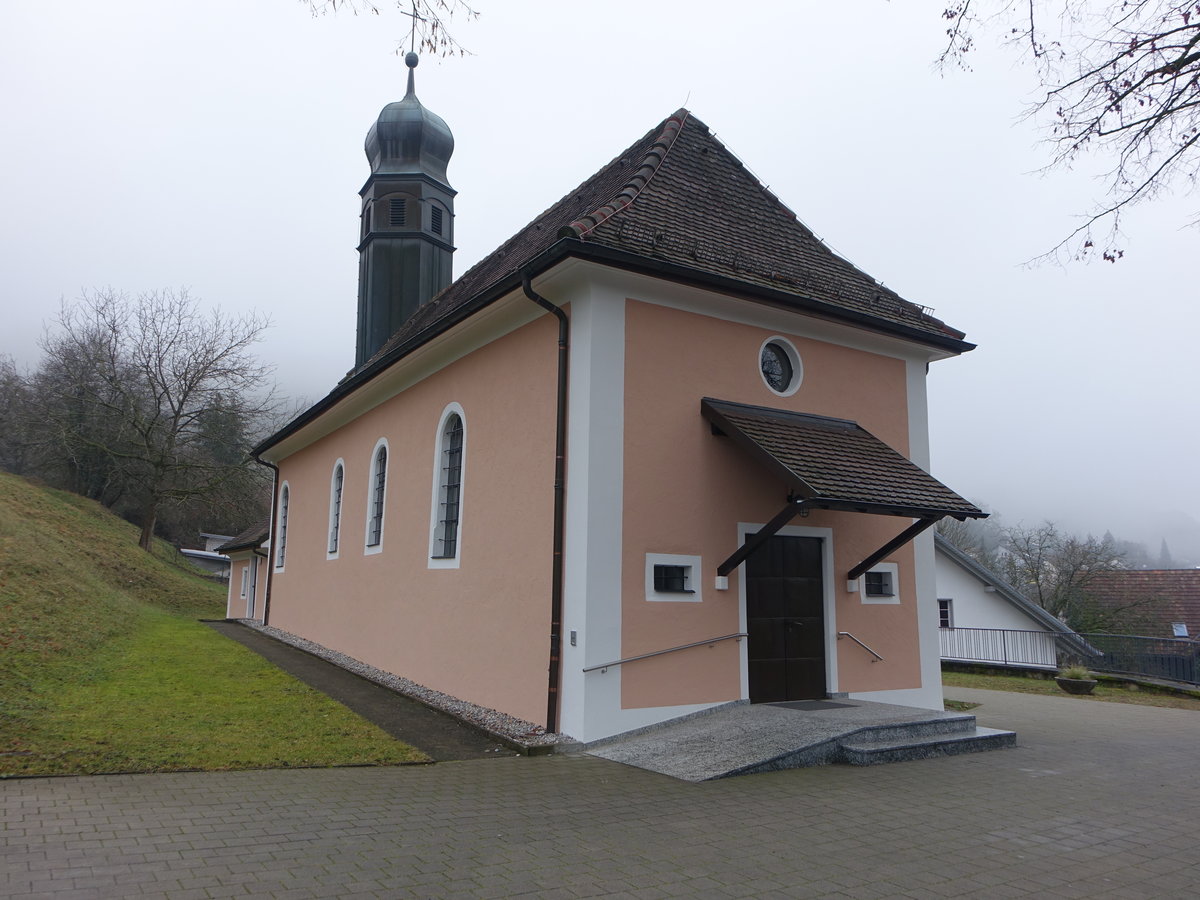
(680, 196)
(251, 537)
(1166, 596)
(835, 462)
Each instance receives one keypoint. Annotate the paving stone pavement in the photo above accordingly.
(1097, 800)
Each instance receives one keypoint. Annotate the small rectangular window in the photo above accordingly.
(879, 584)
(436, 222)
(673, 579)
(945, 613)
(397, 213)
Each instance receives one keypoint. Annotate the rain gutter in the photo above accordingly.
(271, 532)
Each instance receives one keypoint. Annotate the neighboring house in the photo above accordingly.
(208, 560)
(984, 619)
(249, 555)
(213, 542)
(660, 418)
(1168, 600)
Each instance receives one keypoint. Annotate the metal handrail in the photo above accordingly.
(603, 667)
(842, 634)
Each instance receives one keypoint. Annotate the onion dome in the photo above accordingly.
(408, 139)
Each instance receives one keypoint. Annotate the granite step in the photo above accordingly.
(873, 750)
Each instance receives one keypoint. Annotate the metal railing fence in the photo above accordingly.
(1171, 659)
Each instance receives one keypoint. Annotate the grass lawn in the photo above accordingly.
(176, 695)
(105, 668)
(1105, 692)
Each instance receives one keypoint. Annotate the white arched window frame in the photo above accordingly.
(337, 485)
(376, 497)
(281, 526)
(449, 479)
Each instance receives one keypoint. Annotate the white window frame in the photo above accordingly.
(949, 601)
(370, 549)
(435, 503)
(691, 563)
(337, 500)
(793, 355)
(245, 579)
(892, 599)
(282, 513)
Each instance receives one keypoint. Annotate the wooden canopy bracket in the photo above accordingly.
(894, 544)
(764, 534)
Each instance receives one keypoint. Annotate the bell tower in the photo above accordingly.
(407, 236)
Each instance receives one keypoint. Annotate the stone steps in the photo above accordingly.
(873, 749)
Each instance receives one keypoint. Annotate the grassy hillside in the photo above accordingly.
(72, 577)
(104, 667)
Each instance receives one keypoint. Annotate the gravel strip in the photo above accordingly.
(492, 721)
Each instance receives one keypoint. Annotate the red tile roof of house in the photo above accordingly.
(676, 204)
(251, 537)
(1167, 596)
(678, 195)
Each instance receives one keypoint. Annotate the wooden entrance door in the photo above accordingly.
(785, 617)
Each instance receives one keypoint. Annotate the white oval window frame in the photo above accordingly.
(793, 356)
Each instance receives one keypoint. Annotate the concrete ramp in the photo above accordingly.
(762, 737)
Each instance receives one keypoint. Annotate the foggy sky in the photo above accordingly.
(217, 146)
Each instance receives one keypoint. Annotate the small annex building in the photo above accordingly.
(661, 450)
(984, 619)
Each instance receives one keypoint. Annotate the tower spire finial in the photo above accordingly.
(411, 59)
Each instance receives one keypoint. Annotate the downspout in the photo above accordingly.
(271, 534)
(560, 458)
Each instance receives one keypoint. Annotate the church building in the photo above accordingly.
(661, 450)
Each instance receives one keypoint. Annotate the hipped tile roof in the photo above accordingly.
(836, 463)
(1164, 595)
(679, 196)
(251, 537)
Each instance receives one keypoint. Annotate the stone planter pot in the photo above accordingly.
(1076, 685)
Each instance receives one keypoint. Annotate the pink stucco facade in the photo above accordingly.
(686, 490)
(645, 476)
(247, 584)
(475, 629)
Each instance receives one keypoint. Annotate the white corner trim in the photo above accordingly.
(369, 549)
(435, 502)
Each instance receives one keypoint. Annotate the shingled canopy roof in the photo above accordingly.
(835, 463)
(679, 197)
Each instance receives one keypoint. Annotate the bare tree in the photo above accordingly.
(16, 442)
(1121, 79)
(154, 396)
(1054, 570)
(428, 20)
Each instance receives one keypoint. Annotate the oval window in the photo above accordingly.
(780, 366)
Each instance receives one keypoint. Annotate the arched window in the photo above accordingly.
(335, 506)
(448, 480)
(376, 497)
(281, 530)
